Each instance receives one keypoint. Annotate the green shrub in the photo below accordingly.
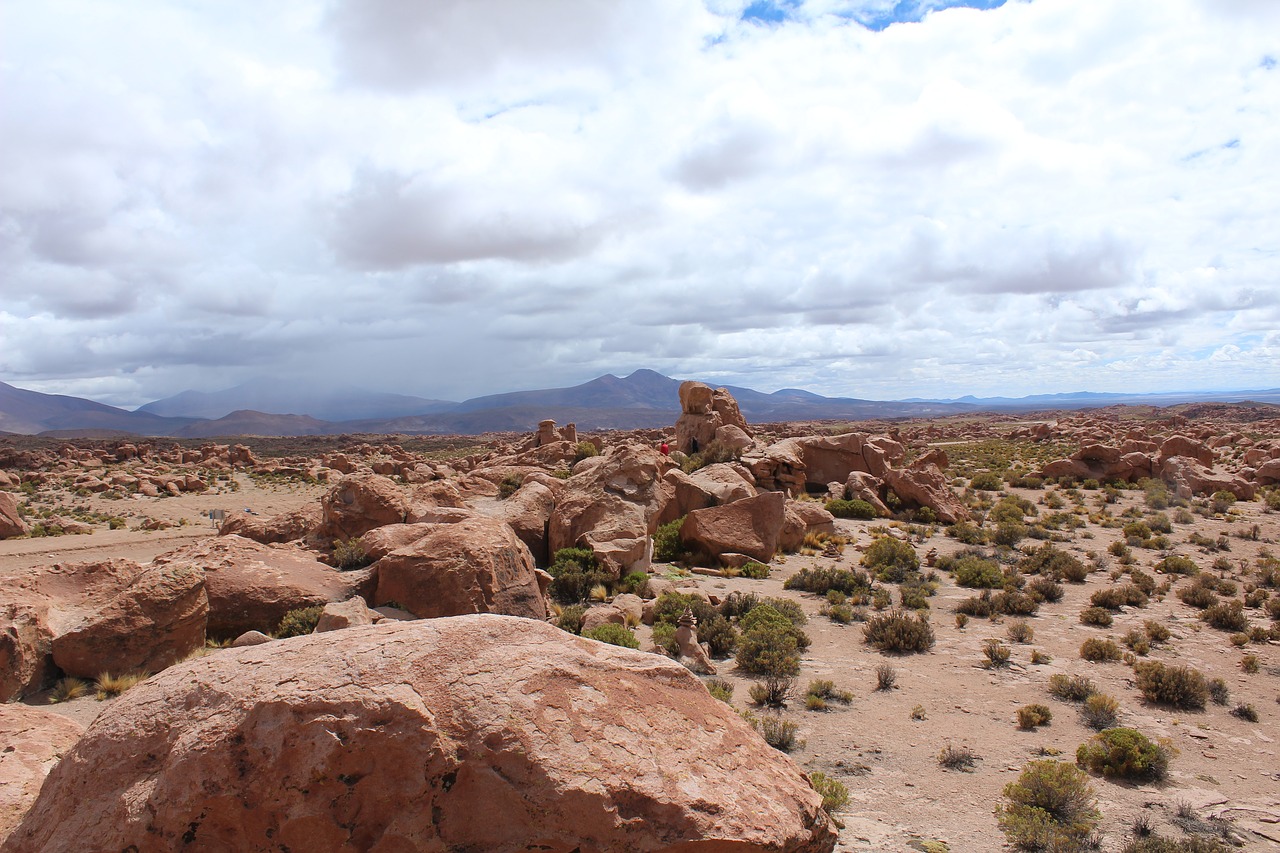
(1157, 631)
(1176, 564)
(1030, 716)
(510, 485)
(820, 580)
(835, 795)
(769, 645)
(574, 572)
(1045, 589)
(1071, 688)
(667, 547)
(899, 631)
(570, 618)
(1009, 533)
(986, 481)
(1197, 596)
(967, 532)
(890, 559)
(827, 691)
(1124, 753)
(754, 571)
(349, 555)
(1098, 617)
(1050, 807)
(721, 689)
(851, 509)
(613, 634)
(585, 450)
(635, 583)
(1099, 650)
(713, 628)
(664, 637)
(298, 622)
(977, 573)
(1179, 686)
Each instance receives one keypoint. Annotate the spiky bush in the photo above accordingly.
(835, 795)
(898, 631)
(1179, 686)
(720, 688)
(1051, 806)
(1124, 753)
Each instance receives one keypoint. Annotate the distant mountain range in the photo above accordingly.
(645, 399)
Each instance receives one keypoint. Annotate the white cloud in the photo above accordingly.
(457, 198)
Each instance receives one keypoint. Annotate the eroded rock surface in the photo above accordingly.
(473, 733)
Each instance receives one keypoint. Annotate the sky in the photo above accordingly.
(866, 198)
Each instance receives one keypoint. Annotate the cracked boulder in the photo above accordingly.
(475, 732)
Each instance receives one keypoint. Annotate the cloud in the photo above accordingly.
(860, 197)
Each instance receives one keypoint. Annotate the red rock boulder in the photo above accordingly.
(252, 586)
(475, 733)
(153, 618)
(927, 486)
(11, 523)
(800, 519)
(475, 566)
(285, 527)
(750, 527)
(360, 503)
(34, 739)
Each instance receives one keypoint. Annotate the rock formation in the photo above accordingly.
(709, 415)
(473, 733)
(475, 566)
(34, 740)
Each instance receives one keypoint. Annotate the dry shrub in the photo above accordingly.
(1071, 688)
(1020, 632)
(1115, 597)
(1097, 649)
(1100, 711)
(1030, 716)
(996, 653)
(1179, 686)
(108, 685)
(1098, 617)
(886, 677)
(899, 631)
(1227, 616)
(1157, 631)
(957, 758)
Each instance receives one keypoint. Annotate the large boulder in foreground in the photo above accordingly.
(478, 565)
(34, 740)
(478, 732)
(252, 586)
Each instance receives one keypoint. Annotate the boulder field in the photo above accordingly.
(478, 732)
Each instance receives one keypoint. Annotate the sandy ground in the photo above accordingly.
(901, 798)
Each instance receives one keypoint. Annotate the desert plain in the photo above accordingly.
(1149, 503)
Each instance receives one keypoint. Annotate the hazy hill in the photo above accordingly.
(29, 412)
(247, 422)
(326, 403)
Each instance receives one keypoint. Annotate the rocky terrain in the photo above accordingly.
(317, 614)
